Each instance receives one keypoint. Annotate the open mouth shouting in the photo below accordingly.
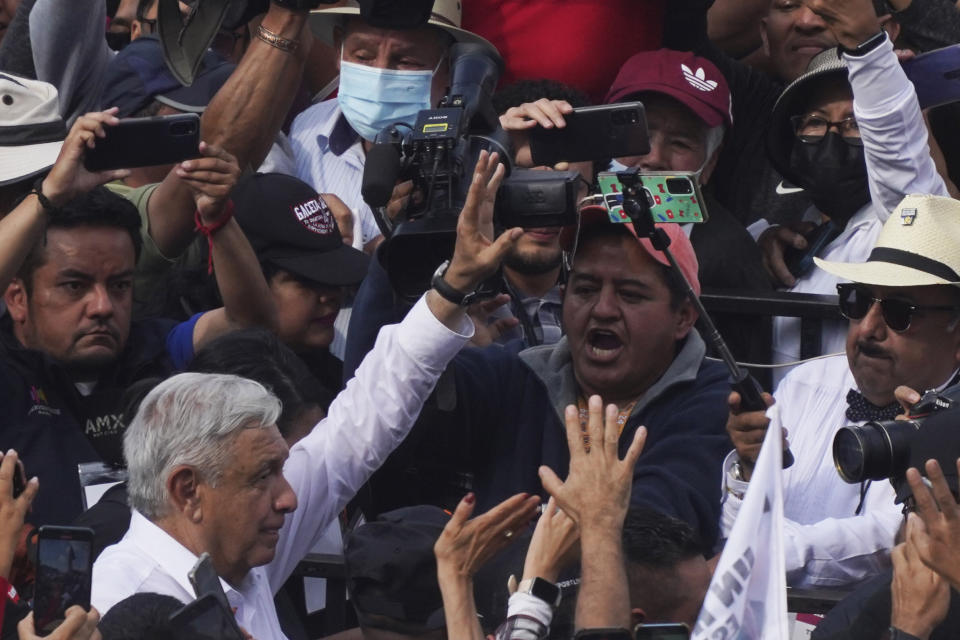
(603, 344)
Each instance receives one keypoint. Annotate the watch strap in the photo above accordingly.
(447, 291)
(866, 46)
(542, 589)
(897, 634)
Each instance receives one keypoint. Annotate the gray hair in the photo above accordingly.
(713, 140)
(190, 419)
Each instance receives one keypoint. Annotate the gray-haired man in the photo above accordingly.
(210, 472)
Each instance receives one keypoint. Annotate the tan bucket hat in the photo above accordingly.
(918, 246)
(446, 15)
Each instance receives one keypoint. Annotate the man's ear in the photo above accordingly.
(16, 300)
(891, 26)
(183, 487)
(686, 317)
(763, 37)
(637, 616)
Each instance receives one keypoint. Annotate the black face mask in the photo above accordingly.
(117, 40)
(834, 173)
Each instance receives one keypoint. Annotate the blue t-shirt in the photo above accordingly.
(180, 342)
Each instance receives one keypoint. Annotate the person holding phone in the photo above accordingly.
(68, 346)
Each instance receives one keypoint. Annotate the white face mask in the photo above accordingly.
(372, 99)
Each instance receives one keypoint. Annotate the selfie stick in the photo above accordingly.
(636, 206)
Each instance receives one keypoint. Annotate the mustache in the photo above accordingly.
(100, 328)
(871, 350)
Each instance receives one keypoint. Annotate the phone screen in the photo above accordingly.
(205, 619)
(64, 558)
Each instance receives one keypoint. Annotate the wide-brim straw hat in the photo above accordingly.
(918, 246)
(446, 15)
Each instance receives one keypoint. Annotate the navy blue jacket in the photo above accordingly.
(54, 428)
(508, 411)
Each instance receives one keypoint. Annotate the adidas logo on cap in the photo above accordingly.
(698, 79)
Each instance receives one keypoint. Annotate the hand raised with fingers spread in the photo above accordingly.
(68, 178)
(488, 330)
(920, 596)
(477, 255)
(597, 489)
(211, 178)
(934, 528)
(553, 545)
(465, 544)
(13, 511)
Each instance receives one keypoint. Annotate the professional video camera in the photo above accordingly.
(439, 153)
(881, 449)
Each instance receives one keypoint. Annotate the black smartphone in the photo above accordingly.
(800, 261)
(935, 76)
(663, 631)
(206, 582)
(593, 133)
(146, 142)
(64, 566)
(205, 619)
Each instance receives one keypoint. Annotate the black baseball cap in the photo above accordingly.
(290, 226)
(392, 571)
(138, 75)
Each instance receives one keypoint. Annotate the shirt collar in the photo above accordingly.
(336, 135)
(176, 559)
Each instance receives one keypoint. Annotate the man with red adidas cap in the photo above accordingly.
(688, 109)
(629, 339)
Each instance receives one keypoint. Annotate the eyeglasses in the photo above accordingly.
(811, 129)
(856, 300)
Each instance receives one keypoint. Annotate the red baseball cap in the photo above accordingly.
(694, 81)
(680, 245)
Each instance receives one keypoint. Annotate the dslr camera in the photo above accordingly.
(881, 449)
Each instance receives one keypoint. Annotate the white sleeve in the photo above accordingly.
(893, 131)
(366, 422)
(842, 551)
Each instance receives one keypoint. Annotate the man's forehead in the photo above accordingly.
(80, 244)
(424, 39)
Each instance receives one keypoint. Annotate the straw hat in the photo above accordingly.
(446, 15)
(919, 245)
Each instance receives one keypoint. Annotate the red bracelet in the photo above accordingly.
(226, 213)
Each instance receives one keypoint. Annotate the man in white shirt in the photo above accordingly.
(850, 132)
(903, 308)
(210, 472)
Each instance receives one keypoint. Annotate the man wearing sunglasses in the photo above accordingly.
(903, 309)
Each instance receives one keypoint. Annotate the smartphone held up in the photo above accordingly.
(64, 567)
(146, 142)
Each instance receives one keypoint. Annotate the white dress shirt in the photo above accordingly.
(366, 422)
(826, 544)
(898, 163)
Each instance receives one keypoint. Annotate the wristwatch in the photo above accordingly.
(543, 589)
(449, 293)
(866, 46)
(896, 634)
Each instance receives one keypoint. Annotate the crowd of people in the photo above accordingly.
(213, 359)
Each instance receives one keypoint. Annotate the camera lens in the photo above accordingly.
(679, 186)
(875, 451)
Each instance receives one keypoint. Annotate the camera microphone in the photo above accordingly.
(382, 167)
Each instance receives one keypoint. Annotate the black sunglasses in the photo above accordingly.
(856, 300)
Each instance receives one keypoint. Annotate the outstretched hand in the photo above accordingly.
(597, 489)
(13, 511)
(68, 178)
(465, 544)
(851, 21)
(934, 528)
(477, 255)
(553, 545)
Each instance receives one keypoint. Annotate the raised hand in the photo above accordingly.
(851, 21)
(920, 595)
(934, 528)
(747, 430)
(68, 178)
(13, 511)
(211, 178)
(553, 545)
(597, 489)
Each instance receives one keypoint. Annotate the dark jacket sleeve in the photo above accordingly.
(679, 471)
(930, 24)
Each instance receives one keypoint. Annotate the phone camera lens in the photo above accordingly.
(679, 186)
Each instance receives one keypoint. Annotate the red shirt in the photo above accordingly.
(578, 42)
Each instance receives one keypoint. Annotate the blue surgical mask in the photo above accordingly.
(373, 98)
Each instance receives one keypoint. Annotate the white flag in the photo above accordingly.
(747, 598)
